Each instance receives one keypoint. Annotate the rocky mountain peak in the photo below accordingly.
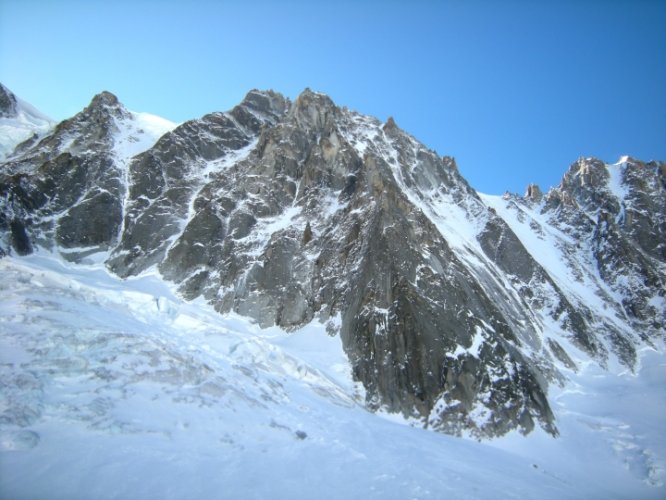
(314, 111)
(105, 98)
(594, 185)
(587, 173)
(105, 104)
(587, 185)
(267, 102)
(90, 129)
(7, 102)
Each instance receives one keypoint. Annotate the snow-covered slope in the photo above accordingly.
(116, 388)
(19, 121)
(138, 132)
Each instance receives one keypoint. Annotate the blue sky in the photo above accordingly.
(515, 90)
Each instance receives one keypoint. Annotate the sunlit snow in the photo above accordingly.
(115, 388)
(16, 129)
(139, 132)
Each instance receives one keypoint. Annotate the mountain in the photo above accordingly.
(19, 122)
(71, 184)
(456, 310)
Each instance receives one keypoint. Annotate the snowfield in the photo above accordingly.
(115, 388)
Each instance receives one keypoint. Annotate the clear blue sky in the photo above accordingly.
(515, 90)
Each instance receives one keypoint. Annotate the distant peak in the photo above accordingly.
(106, 103)
(255, 94)
(584, 165)
(105, 98)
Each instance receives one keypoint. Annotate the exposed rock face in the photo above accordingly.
(68, 189)
(7, 102)
(533, 192)
(622, 208)
(605, 224)
(293, 212)
(166, 181)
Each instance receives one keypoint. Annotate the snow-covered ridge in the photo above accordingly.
(22, 123)
(138, 133)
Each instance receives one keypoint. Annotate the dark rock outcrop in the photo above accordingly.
(7, 102)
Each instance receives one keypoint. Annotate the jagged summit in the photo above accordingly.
(79, 172)
(455, 309)
(266, 101)
(104, 98)
(314, 110)
(104, 106)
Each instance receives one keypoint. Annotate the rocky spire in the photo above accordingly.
(533, 192)
(390, 125)
(7, 102)
(313, 110)
(104, 105)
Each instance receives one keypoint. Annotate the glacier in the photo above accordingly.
(116, 388)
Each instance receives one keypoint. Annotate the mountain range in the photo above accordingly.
(455, 309)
